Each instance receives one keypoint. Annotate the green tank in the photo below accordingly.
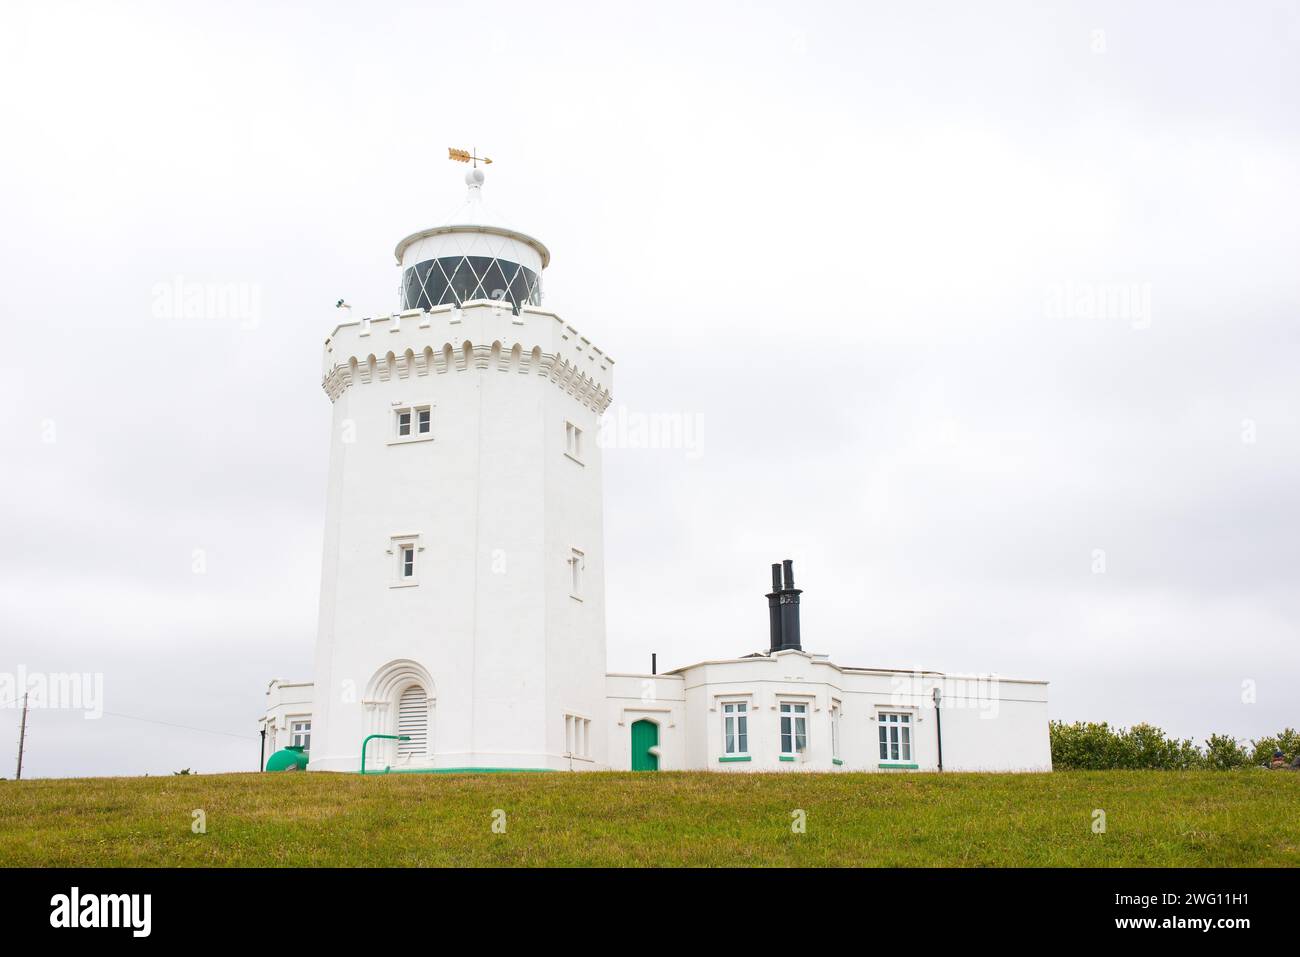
(292, 758)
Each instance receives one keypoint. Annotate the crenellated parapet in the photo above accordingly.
(481, 335)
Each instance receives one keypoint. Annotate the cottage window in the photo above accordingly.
(300, 734)
(895, 736)
(794, 727)
(735, 727)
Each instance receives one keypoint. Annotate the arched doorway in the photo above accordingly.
(400, 700)
(645, 745)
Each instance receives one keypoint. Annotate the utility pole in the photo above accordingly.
(22, 740)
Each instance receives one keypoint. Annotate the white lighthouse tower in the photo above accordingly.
(462, 594)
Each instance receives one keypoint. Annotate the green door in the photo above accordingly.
(645, 735)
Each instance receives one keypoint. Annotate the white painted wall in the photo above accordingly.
(657, 698)
(489, 628)
(988, 724)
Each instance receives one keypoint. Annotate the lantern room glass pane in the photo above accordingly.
(411, 290)
(458, 279)
(481, 266)
(494, 283)
(434, 285)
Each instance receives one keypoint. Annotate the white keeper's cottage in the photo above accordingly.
(462, 607)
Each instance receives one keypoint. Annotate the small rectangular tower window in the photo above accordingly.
(577, 736)
(405, 550)
(577, 565)
(573, 442)
(411, 423)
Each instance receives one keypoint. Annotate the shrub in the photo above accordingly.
(1089, 746)
(1287, 740)
(1083, 746)
(1223, 753)
(1145, 746)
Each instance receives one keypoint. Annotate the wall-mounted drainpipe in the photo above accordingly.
(938, 725)
(386, 737)
(654, 664)
(261, 764)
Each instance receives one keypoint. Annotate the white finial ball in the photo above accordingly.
(474, 177)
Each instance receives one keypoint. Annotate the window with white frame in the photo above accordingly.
(835, 730)
(413, 422)
(573, 441)
(405, 549)
(577, 565)
(794, 727)
(735, 727)
(895, 736)
(300, 733)
(577, 736)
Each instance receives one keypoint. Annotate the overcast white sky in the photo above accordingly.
(833, 233)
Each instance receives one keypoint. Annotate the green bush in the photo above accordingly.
(1223, 753)
(1146, 746)
(1083, 746)
(1287, 740)
(1089, 746)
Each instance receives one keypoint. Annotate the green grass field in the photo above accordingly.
(1153, 818)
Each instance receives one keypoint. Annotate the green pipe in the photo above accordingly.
(387, 737)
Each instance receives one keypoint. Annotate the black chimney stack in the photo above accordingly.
(783, 609)
(774, 609)
(790, 610)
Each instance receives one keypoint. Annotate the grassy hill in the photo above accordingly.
(1153, 818)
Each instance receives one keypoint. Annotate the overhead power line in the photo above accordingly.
(169, 724)
(186, 727)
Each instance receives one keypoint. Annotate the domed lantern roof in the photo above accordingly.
(472, 255)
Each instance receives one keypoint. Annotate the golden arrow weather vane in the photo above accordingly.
(466, 156)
